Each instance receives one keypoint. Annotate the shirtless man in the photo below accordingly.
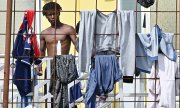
(58, 31)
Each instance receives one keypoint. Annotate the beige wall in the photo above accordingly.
(166, 20)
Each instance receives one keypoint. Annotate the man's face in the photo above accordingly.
(53, 16)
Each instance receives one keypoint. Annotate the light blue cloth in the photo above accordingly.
(166, 46)
(114, 32)
(126, 24)
(106, 38)
(149, 45)
(86, 39)
(143, 64)
(102, 78)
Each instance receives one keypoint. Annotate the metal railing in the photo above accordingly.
(40, 98)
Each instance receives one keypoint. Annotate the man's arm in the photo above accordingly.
(42, 45)
(42, 49)
(73, 37)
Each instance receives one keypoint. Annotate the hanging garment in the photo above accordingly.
(64, 71)
(103, 76)
(146, 3)
(143, 64)
(22, 78)
(75, 92)
(86, 40)
(149, 45)
(127, 44)
(165, 86)
(114, 32)
(153, 87)
(26, 52)
(26, 40)
(106, 32)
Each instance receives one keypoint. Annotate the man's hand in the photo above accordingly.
(39, 70)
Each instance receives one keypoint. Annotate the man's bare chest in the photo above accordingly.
(54, 38)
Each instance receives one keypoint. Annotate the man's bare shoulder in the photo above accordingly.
(46, 31)
(68, 28)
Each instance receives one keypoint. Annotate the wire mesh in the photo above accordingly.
(156, 12)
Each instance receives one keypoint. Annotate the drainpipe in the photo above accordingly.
(7, 53)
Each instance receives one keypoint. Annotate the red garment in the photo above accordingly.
(30, 16)
(35, 45)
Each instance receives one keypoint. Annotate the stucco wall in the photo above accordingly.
(166, 20)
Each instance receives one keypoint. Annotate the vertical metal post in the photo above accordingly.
(7, 53)
(178, 45)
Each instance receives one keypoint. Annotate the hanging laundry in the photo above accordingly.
(114, 32)
(127, 44)
(75, 92)
(94, 22)
(105, 72)
(163, 89)
(64, 71)
(146, 3)
(26, 52)
(149, 45)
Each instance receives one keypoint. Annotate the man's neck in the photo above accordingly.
(57, 24)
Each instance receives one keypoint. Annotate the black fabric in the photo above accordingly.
(77, 27)
(146, 3)
(144, 21)
(137, 73)
(77, 41)
(128, 79)
(64, 71)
